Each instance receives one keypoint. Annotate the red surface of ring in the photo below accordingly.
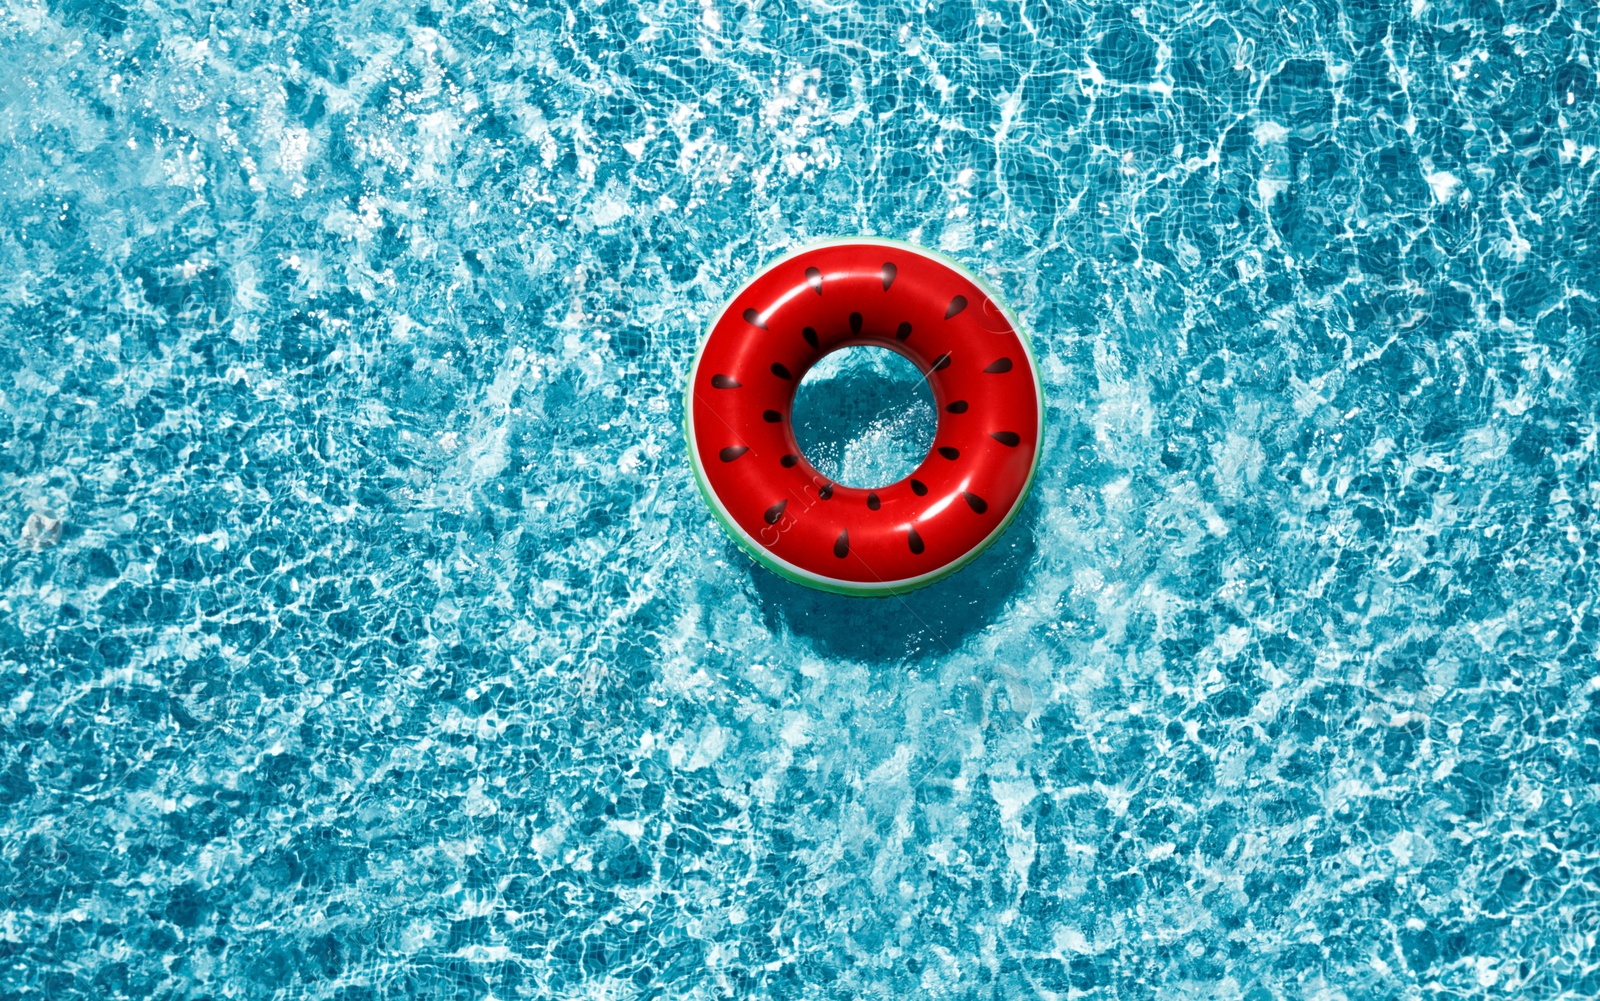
(984, 386)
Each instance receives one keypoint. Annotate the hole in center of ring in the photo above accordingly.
(864, 416)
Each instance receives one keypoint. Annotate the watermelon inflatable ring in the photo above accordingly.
(790, 517)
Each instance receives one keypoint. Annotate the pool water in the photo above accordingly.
(864, 416)
(363, 634)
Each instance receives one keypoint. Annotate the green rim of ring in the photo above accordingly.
(857, 589)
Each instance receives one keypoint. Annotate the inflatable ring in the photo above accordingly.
(785, 513)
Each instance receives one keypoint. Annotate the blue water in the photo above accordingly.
(363, 634)
(864, 416)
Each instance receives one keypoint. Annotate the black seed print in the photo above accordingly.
(724, 382)
(810, 336)
(902, 332)
(788, 460)
(780, 371)
(949, 453)
(771, 416)
(956, 305)
(889, 271)
(999, 365)
(940, 363)
(841, 545)
(855, 323)
(872, 502)
(826, 493)
(732, 452)
(774, 512)
(958, 407)
(814, 279)
(914, 541)
(753, 318)
(1010, 438)
(919, 488)
(975, 502)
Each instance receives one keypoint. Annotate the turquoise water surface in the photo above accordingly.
(363, 634)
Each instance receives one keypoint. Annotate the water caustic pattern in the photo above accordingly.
(363, 634)
(864, 416)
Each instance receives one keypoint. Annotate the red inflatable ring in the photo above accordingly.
(790, 517)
